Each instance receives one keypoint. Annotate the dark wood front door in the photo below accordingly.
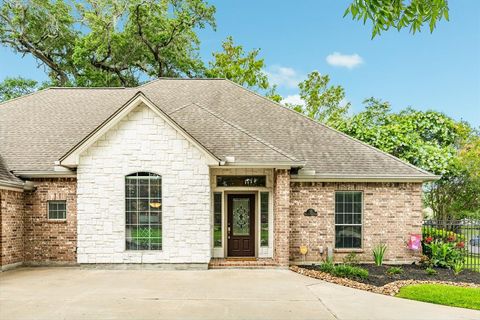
(241, 225)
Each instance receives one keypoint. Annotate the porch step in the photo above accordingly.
(247, 263)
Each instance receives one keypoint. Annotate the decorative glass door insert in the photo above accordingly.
(241, 217)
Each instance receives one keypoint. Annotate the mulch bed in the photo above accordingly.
(379, 281)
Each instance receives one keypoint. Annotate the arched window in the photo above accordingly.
(143, 209)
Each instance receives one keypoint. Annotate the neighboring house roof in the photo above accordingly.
(6, 177)
(227, 119)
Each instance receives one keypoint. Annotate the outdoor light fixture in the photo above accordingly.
(310, 213)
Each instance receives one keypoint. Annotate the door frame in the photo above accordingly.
(253, 224)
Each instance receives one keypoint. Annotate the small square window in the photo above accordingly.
(57, 210)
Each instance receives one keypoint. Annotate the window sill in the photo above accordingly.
(56, 221)
(347, 250)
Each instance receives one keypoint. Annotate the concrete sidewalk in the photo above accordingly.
(76, 293)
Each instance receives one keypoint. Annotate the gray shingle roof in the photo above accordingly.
(6, 177)
(228, 120)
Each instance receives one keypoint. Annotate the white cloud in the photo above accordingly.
(284, 76)
(349, 61)
(293, 99)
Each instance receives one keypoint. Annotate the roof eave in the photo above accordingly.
(26, 174)
(270, 164)
(364, 178)
(11, 185)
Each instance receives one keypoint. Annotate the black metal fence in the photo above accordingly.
(462, 235)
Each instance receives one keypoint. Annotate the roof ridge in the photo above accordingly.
(24, 96)
(92, 88)
(334, 130)
(276, 149)
(180, 108)
(173, 78)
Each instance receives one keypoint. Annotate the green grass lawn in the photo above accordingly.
(442, 294)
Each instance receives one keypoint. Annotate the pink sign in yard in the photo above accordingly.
(415, 242)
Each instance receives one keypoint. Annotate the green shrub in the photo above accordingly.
(444, 254)
(327, 266)
(430, 271)
(351, 259)
(394, 270)
(379, 253)
(434, 235)
(348, 271)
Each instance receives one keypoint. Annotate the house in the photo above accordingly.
(191, 172)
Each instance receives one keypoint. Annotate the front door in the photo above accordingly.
(241, 225)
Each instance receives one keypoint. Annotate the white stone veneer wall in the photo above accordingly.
(143, 141)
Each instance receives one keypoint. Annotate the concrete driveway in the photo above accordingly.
(77, 293)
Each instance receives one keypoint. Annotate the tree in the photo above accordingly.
(458, 195)
(244, 68)
(427, 139)
(432, 141)
(323, 103)
(107, 43)
(398, 14)
(11, 88)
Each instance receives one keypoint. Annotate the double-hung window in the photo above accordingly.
(348, 219)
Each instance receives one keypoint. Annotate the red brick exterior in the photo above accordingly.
(281, 209)
(49, 241)
(11, 227)
(392, 211)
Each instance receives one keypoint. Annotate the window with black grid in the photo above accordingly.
(348, 219)
(57, 210)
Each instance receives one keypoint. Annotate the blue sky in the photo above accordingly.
(439, 71)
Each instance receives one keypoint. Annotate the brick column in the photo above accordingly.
(282, 217)
(11, 227)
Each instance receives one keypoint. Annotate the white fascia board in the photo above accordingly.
(72, 158)
(45, 174)
(353, 178)
(13, 186)
(277, 165)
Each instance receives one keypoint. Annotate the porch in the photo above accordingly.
(246, 217)
(225, 263)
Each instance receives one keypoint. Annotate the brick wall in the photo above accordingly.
(281, 208)
(49, 241)
(11, 227)
(391, 212)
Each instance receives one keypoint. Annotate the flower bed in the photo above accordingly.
(379, 281)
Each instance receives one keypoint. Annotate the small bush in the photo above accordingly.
(394, 270)
(379, 253)
(431, 271)
(327, 266)
(444, 254)
(351, 259)
(348, 271)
